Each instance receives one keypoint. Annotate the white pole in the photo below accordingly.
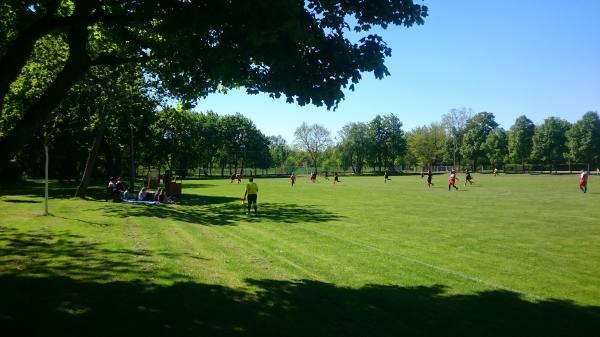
(46, 184)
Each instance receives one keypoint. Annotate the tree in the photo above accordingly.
(354, 146)
(583, 139)
(496, 146)
(331, 159)
(312, 139)
(395, 143)
(212, 140)
(177, 135)
(387, 140)
(238, 141)
(549, 141)
(520, 140)
(454, 122)
(257, 150)
(426, 144)
(189, 49)
(279, 151)
(114, 92)
(476, 132)
(89, 128)
(377, 140)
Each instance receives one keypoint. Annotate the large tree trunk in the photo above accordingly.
(40, 111)
(93, 154)
(19, 50)
(75, 67)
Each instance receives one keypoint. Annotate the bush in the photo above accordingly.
(517, 168)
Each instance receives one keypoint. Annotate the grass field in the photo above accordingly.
(511, 255)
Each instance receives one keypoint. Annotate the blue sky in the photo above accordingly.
(539, 58)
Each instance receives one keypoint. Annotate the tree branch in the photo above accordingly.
(17, 54)
(40, 111)
(111, 59)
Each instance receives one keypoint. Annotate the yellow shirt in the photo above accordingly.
(251, 188)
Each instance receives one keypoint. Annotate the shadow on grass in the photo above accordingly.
(41, 253)
(61, 306)
(186, 184)
(66, 190)
(62, 285)
(220, 211)
(56, 190)
(20, 201)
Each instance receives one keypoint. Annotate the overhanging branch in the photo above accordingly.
(111, 59)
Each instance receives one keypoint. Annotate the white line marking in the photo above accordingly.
(435, 267)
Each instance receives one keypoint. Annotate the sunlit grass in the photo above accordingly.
(537, 237)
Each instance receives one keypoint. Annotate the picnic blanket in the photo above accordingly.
(153, 202)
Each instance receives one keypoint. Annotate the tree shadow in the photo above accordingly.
(41, 253)
(222, 211)
(60, 284)
(186, 184)
(199, 200)
(61, 306)
(56, 190)
(20, 201)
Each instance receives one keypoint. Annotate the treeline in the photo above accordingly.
(466, 140)
(93, 135)
(109, 122)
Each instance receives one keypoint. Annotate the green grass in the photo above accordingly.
(512, 255)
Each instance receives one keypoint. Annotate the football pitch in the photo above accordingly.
(510, 255)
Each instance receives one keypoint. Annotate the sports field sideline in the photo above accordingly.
(509, 255)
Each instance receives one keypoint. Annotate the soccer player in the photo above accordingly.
(452, 180)
(336, 178)
(495, 171)
(386, 176)
(238, 176)
(293, 179)
(583, 177)
(429, 177)
(251, 195)
(468, 178)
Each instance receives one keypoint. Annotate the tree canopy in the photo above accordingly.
(520, 139)
(583, 139)
(426, 144)
(354, 146)
(476, 132)
(189, 49)
(549, 141)
(314, 140)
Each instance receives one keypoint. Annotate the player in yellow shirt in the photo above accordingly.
(251, 194)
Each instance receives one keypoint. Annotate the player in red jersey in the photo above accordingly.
(452, 180)
(583, 178)
(293, 179)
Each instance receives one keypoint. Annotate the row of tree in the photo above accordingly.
(378, 143)
(101, 142)
(478, 140)
(460, 139)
